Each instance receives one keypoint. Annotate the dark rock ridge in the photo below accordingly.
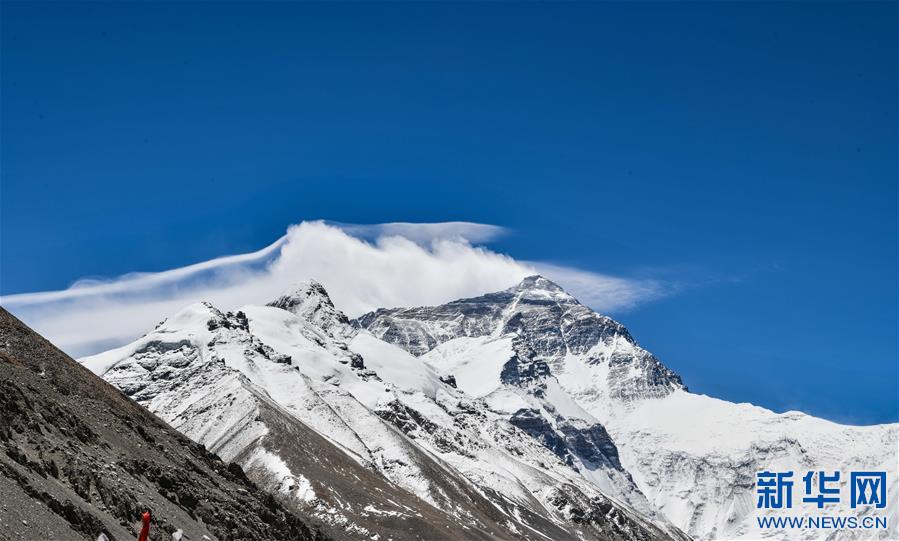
(77, 459)
(591, 443)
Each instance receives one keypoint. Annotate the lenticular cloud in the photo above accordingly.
(363, 267)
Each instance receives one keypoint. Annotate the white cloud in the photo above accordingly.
(473, 233)
(362, 267)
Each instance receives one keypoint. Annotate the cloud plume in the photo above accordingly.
(363, 267)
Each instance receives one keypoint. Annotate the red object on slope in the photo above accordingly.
(145, 531)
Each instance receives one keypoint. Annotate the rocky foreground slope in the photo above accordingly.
(79, 459)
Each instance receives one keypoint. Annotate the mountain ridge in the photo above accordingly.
(550, 412)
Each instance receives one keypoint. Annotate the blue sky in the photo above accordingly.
(744, 155)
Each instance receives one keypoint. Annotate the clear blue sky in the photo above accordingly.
(747, 151)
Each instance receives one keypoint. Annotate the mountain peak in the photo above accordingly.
(309, 300)
(300, 294)
(537, 281)
(541, 287)
(305, 287)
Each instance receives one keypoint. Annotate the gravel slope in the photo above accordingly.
(77, 458)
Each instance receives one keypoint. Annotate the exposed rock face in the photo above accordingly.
(518, 372)
(536, 426)
(80, 459)
(591, 444)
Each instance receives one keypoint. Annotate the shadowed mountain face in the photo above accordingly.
(77, 459)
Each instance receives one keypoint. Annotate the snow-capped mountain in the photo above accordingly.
(372, 441)
(516, 414)
(693, 456)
